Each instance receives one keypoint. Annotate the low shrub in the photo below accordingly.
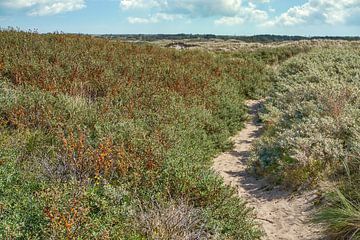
(91, 126)
(312, 118)
(173, 221)
(312, 131)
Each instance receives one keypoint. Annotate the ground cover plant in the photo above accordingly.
(312, 136)
(106, 140)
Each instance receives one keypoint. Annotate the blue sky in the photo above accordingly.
(234, 17)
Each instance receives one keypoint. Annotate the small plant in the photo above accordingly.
(171, 221)
(67, 222)
(341, 217)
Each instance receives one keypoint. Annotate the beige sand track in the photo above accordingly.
(281, 214)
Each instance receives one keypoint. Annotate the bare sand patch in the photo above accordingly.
(280, 213)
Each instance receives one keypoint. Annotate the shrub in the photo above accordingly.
(96, 124)
(312, 123)
(174, 221)
(312, 119)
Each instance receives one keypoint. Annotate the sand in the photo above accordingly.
(280, 213)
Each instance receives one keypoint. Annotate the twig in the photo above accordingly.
(264, 219)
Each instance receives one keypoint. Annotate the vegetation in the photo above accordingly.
(102, 139)
(108, 140)
(312, 132)
(266, 38)
(342, 216)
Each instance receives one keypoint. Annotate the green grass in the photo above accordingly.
(342, 217)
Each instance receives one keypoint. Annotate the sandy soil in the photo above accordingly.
(281, 214)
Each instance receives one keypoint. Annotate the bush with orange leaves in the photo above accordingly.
(94, 125)
(83, 161)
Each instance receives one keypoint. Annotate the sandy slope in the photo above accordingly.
(282, 215)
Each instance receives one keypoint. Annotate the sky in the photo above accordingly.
(225, 17)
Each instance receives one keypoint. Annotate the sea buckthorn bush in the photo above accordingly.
(312, 131)
(93, 130)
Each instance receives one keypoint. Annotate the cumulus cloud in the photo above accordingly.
(237, 12)
(261, 1)
(17, 4)
(230, 21)
(247, 14)
(44, 7)
(319, 11)
(229, 12)
(154, 18)
(195, 8)
(136, 4)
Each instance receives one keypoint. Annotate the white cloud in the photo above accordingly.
(17, 4)
(207, 8)
(230, 21)
(154, 18)
(45, 7)
(246, 14)
(272, 9)
(237, 12)
(136, 4)
(255, 15)
(195, 8)
(318, 11)
(261, 1)
(230, 12)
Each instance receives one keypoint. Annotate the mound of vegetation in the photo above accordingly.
(109, 140)
(312, 132)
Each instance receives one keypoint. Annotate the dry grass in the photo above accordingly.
(175, 221)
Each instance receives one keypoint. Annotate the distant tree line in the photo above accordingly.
(266, 38)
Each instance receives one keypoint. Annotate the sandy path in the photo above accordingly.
(281, 215)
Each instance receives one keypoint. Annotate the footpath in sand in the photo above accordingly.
(281, 214)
